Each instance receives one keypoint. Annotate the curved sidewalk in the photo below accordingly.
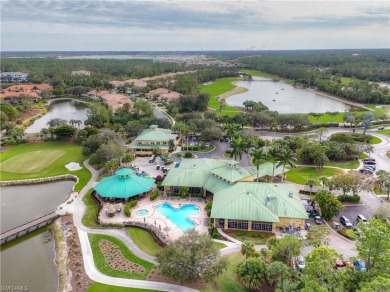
(89, 265)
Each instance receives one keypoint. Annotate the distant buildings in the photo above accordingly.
(114, 100)
(81, 72)
(33, 91)
(10, 77)
(162, 94)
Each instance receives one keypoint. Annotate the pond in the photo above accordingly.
(69, 109)
(21, 257)
(284, 98)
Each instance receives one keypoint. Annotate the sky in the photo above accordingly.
(182, 25)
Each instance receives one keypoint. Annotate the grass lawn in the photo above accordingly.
(374, 140)
(219, 245)
(300, 175)
(208, 149)
(89, 218)
(39, 160)
(227, 281)
(384, 132)
(99, 287)
(256, 237)
(381, 109)
(144, 240)
(217, 88)
(105, 269)
(352, 164)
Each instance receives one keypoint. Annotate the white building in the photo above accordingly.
(14, 77)
(81, 72)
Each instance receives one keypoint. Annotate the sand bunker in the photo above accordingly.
(72, 166)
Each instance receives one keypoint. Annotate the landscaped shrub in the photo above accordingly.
(207, 208)
(154, 195)
(159, 178)
(348, 233)
(128, 206)
(350, 199)
(168, 161)
(190, 148)
(188, 155)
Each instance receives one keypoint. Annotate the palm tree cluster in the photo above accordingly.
(255, 147)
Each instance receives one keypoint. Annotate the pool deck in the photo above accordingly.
(159, 220)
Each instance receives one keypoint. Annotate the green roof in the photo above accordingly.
(156, 135)
(134, 145)
(265, 169)
(197, 172)
(124, 184)
(258, 202)
(231, 172)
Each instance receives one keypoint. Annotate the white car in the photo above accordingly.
(207, 145)
(300, 263)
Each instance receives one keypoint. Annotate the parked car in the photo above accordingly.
(207, 145)
(381, 128)
(368, 170)
(361, 218)
(360, 265)
(226, 139)
(345, 222)
(307, 226)
(318, 220)
(300, 263)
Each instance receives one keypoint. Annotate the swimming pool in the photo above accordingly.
(143, 212)
(179, 216)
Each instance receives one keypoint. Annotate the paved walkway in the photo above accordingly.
(89, 265)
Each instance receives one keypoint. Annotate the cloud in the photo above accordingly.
(143, 22)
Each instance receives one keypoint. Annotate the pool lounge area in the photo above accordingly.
(171, 215)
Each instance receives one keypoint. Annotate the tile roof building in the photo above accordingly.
(30, 90)
(238, 201)
(114, 100)
(162, 94)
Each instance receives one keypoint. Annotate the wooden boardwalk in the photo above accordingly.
(28, 227)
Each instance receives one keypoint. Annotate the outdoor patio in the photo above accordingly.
(157, 219)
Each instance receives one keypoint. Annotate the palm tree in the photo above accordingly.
(273, 156)
(287, 156)
(248, 249)
(258, 156)
(324, 180)
(237, 148)
(231, 129)
(383, 177)
(310, 182)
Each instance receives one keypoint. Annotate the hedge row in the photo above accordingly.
(128, 206)
(190, 148)
(348, 233)
(350, 199)
(154, 195)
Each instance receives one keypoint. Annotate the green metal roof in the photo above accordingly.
(231, 172)
(156, 135)
(258, 202)
(119, 186)
(196, 173)
(265, 169)
(124, 172)
(134, 145)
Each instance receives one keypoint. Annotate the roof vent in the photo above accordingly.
(268, 198)
(290, 194)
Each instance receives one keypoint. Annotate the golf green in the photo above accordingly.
(29, 162)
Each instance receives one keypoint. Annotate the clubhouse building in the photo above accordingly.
(239, 202)
(154, 139)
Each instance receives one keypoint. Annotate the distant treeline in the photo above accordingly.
(325, 70)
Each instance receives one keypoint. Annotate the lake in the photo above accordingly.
(29, 260)
(69, 109)
(284, 98)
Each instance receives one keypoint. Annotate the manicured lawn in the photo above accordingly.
(300, 175)
(208, 149)
(105, 269)
(99, 287)
(89, 218)
(384, 132)
(353, 164)
(217, 88)
(144, 240)
(44, 159)
(374, 140)
(219, 245)
(227, 281)
(254, 236)
(383, 109)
